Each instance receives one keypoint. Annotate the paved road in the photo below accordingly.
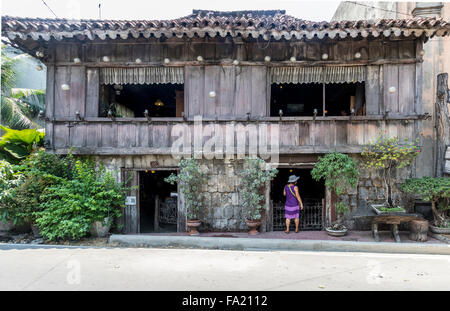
(188, 269)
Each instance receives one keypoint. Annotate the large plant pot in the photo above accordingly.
(439, 230)
(193, 226)
(336, 233)
(6, 225)
(253, 225)
(100, 229)
(418, 230)
(378, 211)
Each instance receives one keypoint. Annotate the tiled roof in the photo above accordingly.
(200, 23)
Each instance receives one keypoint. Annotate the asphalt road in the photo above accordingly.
(189, 269)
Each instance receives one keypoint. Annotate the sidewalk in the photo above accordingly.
(354, 241)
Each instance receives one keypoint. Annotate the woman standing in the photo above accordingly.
(292, 207)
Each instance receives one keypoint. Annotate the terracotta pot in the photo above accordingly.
(192, 226)
(100, 229)
(253, 225)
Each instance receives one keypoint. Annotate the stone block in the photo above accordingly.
(215, 199)
(368, 183)
(362, 192)
(207, 199)
(228, 212)
(226, 184)
(235, 198)
(372, 193)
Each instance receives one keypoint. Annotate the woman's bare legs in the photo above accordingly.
(288, 222)
(297, 221)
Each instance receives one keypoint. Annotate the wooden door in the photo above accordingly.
(131, 213)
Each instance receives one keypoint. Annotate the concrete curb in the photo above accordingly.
(277, 244)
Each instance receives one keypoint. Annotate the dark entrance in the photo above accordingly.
(311, 192)
(158, 202)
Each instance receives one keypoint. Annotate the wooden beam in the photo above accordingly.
(229, 62)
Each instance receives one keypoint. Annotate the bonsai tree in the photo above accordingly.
(339, 171)
(435, 190)
(388, 154)
(190, 179)
(255, 175)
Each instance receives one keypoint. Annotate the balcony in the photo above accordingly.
(297, 135)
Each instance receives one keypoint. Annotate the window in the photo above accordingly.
(302, 99)
(324, 91)
(296, 99)
(131, 100)
(133, 92)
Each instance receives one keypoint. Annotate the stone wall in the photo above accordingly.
(222, 211)
(221, 200)
(371, 189)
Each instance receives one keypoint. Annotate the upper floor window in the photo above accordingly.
(321, 91)
(135, 92)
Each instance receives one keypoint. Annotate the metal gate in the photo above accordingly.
(168, 211)
(311, 217)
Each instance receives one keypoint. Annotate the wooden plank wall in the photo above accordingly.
(295, 136)
(239, 89)
(155, 50)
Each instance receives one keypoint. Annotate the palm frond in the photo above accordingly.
(13, 114)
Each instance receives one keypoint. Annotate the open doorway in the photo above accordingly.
(311, 192)
(158, 202)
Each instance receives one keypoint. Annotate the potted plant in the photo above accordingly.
(190, 178)
(339, 172)
(388, 154)
(255, 175)
(437, 191)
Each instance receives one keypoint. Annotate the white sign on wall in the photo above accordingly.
(130, 201)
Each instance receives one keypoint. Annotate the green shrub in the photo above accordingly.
(10, 178)
(435, 190)
(254, 178)
(38, 171)
(68, 208)
(339, 171)
(190, 179)
(387, 154)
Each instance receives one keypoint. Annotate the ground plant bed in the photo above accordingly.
(381, 209)
(439, 230)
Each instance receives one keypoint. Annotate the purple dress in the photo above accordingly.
(291, 208)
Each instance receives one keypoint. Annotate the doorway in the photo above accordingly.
(158, 202)
(311, 192)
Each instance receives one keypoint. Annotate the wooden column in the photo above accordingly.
(442, 122)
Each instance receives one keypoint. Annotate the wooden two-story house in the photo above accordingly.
(123, 91)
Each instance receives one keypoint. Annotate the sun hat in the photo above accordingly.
(293, 178)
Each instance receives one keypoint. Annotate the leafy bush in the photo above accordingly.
(9, 180)
(69, 207)
(254, 178)
(339, 171)
(388, 154)
(16, 145)
(39, 171)
(435, 190)
(190, 179)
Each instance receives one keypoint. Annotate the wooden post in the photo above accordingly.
(418, 230)
(156, 217)
(442, 122)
